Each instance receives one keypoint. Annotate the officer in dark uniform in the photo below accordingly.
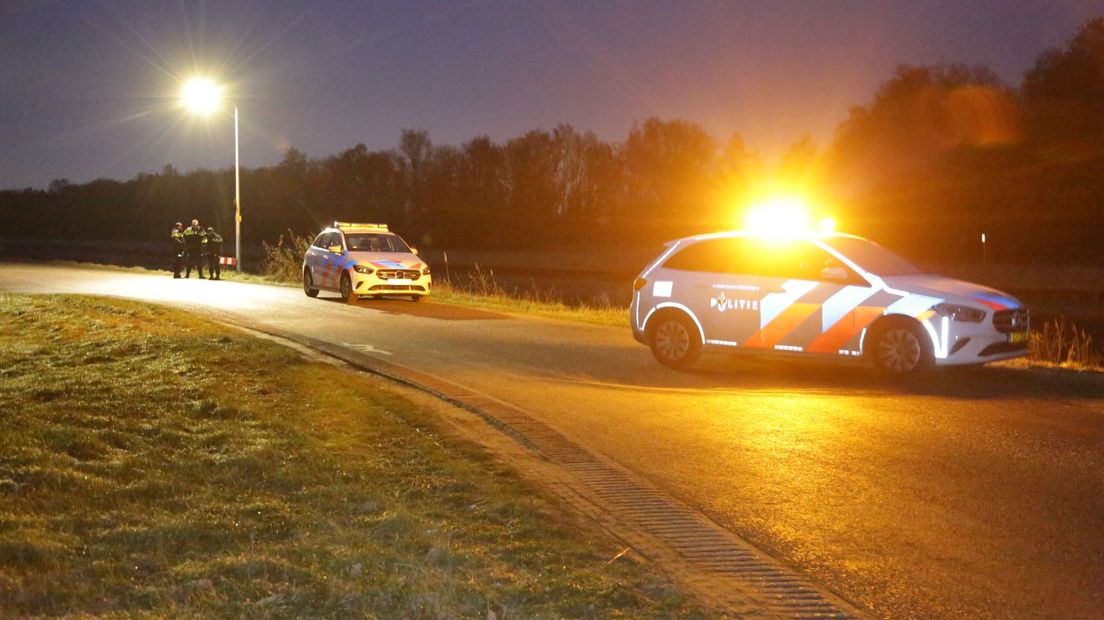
(195, 238)
(214, 252)
(176, 235)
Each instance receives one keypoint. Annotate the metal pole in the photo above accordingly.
(237, 197)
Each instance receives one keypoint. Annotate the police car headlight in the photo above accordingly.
(426, 271)
(965, 314)
(365, 269)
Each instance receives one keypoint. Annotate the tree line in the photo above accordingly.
(940, 155)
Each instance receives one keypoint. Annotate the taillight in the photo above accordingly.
(639, 284)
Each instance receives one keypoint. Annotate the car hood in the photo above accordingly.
(956, 291)
(388, 260)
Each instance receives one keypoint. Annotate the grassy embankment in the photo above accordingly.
(152, 464)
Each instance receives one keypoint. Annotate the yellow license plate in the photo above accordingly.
(1018, 337)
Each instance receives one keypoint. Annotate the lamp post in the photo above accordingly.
(237, 197)
(202, 96)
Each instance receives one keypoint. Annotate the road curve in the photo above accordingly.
(977, 493)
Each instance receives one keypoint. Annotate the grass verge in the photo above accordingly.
(532, 304)
(152, 464)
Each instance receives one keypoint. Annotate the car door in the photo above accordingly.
(709, 279)
(334, 253)
(809, 298)
(316, 254)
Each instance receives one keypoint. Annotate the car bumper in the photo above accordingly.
(369, 284)
(981, 345)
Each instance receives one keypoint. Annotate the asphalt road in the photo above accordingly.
(976, 493)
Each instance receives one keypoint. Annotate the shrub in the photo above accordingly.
(1059, 341)
(284, 259)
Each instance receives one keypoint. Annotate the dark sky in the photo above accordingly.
(88, 87)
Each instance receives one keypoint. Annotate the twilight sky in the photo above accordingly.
(87, 87)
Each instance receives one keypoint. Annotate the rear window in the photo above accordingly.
(710, 256)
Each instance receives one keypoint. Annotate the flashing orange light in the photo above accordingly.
(778, 215)
(782, 216)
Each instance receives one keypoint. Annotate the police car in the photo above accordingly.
(824, 294)
(364, 260)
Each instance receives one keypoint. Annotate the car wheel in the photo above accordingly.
(899, 349)
(347, 295)
(417, 298)
(674, 341)
(308, 284)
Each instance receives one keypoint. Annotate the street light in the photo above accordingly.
(202, 96)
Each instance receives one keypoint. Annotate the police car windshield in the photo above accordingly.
(375, 242)
(872, 257)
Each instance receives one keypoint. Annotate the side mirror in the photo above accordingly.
(414, 250)
(336, 249)
(834, 274)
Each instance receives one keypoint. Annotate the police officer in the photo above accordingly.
(176, 235)
(195, 238)
(214, 252)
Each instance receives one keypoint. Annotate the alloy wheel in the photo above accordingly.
(899, 350)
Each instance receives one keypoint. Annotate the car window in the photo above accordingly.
(320, 241)
(710, 256)
(873, 257)
(790, 259)
(332, 239)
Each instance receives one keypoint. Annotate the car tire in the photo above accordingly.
(346, 289)
(417, 298)
(308, 284)
(674, 340)
(899, 348)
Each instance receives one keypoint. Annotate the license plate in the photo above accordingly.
(399, 281)
(1018, 337)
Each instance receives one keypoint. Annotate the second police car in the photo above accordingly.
(361, 260)
(817, 294)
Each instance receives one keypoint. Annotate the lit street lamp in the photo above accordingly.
(203, 97)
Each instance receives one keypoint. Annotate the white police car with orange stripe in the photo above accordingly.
(818, 294)
(364, 260)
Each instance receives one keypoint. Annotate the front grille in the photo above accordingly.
(396, 287)
(399, 274)
(1011, 320)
